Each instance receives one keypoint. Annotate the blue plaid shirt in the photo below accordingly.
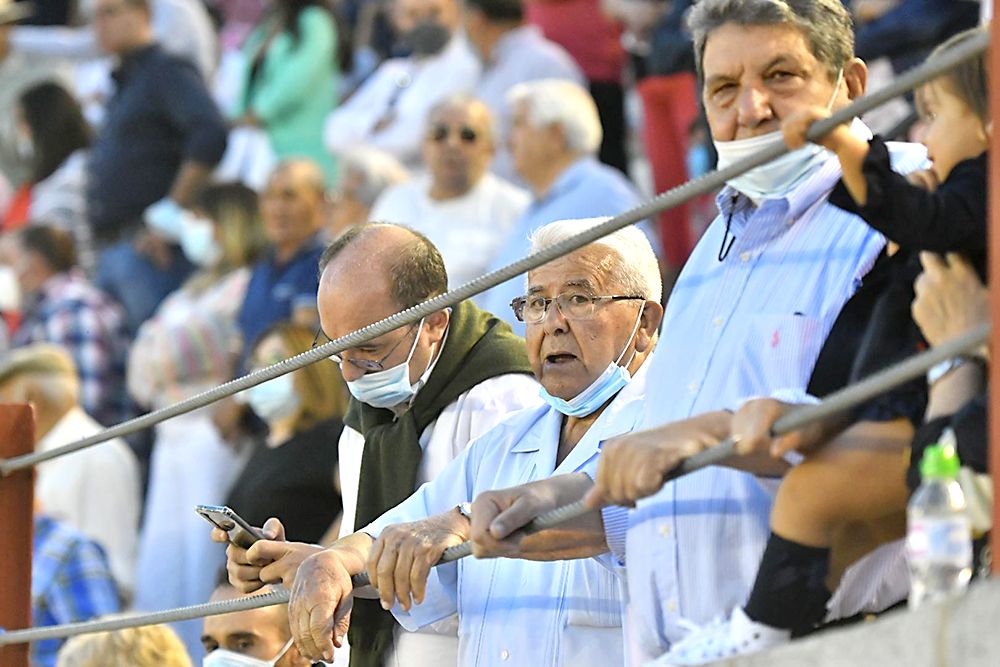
(70, 582)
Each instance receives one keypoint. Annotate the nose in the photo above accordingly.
(554, 320)
(754, 107)
(350, 372)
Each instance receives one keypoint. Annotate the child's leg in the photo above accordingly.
(858, 476)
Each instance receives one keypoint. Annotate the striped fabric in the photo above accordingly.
(750, 325)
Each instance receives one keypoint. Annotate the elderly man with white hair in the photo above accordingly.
(365, 173)
(592, 318)
(554, 137)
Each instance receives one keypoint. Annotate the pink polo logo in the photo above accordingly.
(775, 338)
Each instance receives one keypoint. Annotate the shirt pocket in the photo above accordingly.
(593, 595)
(779, 353)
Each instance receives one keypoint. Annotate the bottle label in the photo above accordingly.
(940, 540)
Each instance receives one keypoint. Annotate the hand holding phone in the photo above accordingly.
(240, 532)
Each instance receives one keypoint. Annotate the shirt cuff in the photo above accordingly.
(615, 520)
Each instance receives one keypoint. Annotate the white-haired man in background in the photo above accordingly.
(554, 137)
(365, 173)
(592, 318)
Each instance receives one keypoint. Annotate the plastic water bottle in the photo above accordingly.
(939, 535)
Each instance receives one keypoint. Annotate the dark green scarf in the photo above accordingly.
(479, 347)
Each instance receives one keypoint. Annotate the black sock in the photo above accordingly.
(790, 591)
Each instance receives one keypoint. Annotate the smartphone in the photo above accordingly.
(241, 533)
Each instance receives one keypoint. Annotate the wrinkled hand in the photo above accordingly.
(950, 298)
(633, 466)
(402, 557)
(924, 178)
(796, 125)
(319, 611)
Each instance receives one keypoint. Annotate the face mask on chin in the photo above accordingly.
(779, 177)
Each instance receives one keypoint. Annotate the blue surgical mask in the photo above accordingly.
(275, 399)
(198, 241)
(608, 384)
(220, 657)
(388, 388)
(779, 177)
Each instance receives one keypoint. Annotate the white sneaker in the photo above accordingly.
(738, 635)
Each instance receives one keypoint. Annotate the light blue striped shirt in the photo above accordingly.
(751, 325)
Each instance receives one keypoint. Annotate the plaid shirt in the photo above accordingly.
(70, 582)
(71, 312)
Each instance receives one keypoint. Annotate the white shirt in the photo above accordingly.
(468, 230)
(95, 490)
(404, 89)
(521, 612)
(751, 325)
(471, 415)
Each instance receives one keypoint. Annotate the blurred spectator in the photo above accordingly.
(59, 305)
(145, 646)
(290, 79)
(390, 108)
(293, 474)
(511, 52)
(262, 635)
(191, 464)
(161, 138)
(70, 582)
(907, 31)
(86, 489)
(584, 29)
(52, 138)
(554, 138)
(463, 209)
(364, 174)
(283, 284)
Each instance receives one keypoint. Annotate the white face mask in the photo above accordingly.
(10, 290)
(390, 387)
(223, 658)
(198, 241)
(275, 399)
(777, 178)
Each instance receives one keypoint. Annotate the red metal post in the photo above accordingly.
(994, 274)
(17, 437)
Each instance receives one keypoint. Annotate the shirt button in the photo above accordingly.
(665, 530)
(504, 654)
(717, 322)
(745, 256)
(693, 387)
(672, 606)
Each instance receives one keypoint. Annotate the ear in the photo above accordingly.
(436, 323)
(649, 324)
(856, 78)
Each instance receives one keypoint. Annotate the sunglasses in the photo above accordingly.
(440, 133)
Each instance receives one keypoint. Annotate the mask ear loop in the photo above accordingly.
(635, 329)
(836, 88)
(283, 651)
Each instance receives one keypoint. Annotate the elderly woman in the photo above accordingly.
(591, 322)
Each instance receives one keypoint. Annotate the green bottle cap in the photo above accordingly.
(940, 462)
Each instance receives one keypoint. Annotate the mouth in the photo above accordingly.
(559, 359)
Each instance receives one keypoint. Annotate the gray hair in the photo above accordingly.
(376, 170)
(631, 263)
(825, 24)
(565, 103)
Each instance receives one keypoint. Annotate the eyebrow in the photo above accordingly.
(581, 282)
(780, 59)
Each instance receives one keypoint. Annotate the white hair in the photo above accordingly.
(562, 102)
(377, 170)
(631, 264)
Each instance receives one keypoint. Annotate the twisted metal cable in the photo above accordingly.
(836, 403)
(673, 197)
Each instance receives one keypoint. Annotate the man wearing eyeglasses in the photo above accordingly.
(461, 207)
(420, 394)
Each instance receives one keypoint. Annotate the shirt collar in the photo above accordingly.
(132, 61)
(570, 178)
(513, 41)
(307, 246)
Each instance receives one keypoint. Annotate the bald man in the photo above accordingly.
(465, 210)
(420, 394)
(259, 634)
(284, 283)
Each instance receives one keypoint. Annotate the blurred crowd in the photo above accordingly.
(186, 192)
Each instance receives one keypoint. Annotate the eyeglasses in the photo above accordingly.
(367, 365)
(573, 305)
(440, 133)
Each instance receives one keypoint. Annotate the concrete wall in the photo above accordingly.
(961, 633)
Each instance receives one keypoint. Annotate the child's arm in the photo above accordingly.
(850, 149)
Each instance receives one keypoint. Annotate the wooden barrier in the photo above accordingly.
(17, 437)
(994, 273)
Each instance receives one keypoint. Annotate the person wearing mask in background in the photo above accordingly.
(363, 175)
(290, 79)
(390, 108)
(161, 138)
(191, 464)
(460, 206)
(283, 282)
(60, 306)
(554, 136)
(84, 489)
(511, 52)
(420, 395)
(145, 646)
(252, 638)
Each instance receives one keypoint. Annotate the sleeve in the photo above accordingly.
(55, 41)
(305, 65)
(85, 586)
(950, 219)
(83, 332)
(193, 112)
(970, 427)
(349, 124)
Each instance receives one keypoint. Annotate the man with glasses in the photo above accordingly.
(465, 210)
(420, 394)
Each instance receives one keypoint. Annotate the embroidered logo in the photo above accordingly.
(775, 338)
